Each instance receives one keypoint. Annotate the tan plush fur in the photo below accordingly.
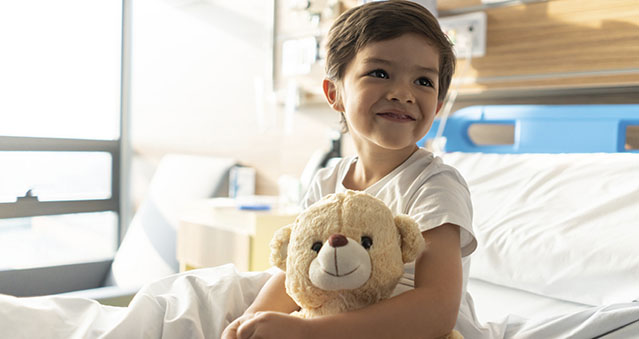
(353, 215)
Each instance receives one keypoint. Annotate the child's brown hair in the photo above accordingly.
(383, 20)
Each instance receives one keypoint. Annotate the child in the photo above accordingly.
(388, 70)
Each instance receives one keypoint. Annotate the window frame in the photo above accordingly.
(30, 207)
(74, 276)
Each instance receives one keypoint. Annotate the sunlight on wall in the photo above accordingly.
(202, 74)
(194, 72)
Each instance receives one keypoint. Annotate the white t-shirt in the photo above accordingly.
(423, 187)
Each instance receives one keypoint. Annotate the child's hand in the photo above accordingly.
(230, 332)
(265, 325)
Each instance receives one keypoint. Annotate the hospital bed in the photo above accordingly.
(556, 215)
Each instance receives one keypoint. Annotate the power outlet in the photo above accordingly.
(467, 33)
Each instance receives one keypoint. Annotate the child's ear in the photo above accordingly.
(330, 92)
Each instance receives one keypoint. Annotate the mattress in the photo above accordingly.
(494, 303)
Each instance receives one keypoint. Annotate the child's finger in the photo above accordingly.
(246, 329)
(230, 332)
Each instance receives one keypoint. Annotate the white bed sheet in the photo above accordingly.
(494, 302)
(557, 254)
(503, 312)
(195, 304)
(199, 304)
(560, 225)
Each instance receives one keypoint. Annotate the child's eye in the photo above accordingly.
(379, 73)
(424, 82)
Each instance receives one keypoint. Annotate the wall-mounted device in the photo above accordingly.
(467, 32)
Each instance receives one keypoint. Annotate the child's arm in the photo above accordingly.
(273, 297)
(428, 311)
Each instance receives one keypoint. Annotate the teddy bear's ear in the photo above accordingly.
(412, 240)
(279, 247)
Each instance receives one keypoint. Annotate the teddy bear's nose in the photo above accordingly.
(337, 240)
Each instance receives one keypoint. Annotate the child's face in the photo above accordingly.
(389, 92)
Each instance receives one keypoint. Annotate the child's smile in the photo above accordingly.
(397, 115)
(389, 93)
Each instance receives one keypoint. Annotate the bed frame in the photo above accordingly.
(543, 128)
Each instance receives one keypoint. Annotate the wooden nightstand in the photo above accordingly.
(214, 232)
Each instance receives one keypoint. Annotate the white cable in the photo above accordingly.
(438, 144)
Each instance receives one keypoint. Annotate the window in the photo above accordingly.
(60, 132)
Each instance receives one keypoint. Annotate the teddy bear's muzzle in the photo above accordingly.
(342, 263)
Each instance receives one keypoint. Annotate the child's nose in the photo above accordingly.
(401, 93)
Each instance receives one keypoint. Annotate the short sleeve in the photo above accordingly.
(312, 194)
(445, 198)
(323, 182)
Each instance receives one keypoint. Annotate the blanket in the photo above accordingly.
(194, 304)
(201, 303)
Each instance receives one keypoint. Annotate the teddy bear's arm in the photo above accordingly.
(279, 247)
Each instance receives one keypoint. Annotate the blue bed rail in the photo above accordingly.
(543, 128)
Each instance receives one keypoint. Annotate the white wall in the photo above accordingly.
(195, 65)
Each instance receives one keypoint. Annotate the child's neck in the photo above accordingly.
(373, 166)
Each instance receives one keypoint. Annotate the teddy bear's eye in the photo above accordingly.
(367, 242)
(316, 246)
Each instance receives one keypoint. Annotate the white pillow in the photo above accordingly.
(148, 251)
(560, 225)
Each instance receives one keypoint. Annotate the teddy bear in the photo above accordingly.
(345, 252)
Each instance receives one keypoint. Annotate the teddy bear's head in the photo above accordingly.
(344, 252)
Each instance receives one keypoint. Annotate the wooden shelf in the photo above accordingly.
(562, 44)
(565, 45)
